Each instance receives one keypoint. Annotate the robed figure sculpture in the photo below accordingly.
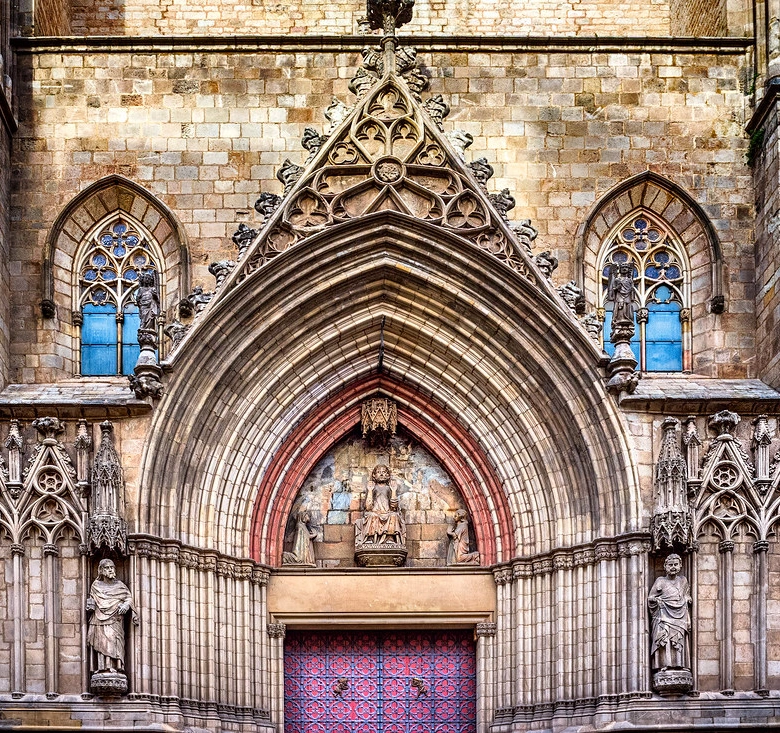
(669, 602)
(380, 533)
(109, 600)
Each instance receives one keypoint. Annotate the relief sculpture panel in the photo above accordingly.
(341, 492)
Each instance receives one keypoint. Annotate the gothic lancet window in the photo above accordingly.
(109, 265)
(662, 298)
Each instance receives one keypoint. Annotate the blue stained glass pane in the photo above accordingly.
(107, 240)
(673, 272)
(131, 275)
(130, 347)
(99, 295)
(119, 251)
(132, 240)
(664, 294)
(653, 272)
(628, 235)
(654, 235)
(99, 260)
(640, 224)
(90, 275)
(663, 348)
(139, 260)
(641, 244)
(109, 275)
(661, 257)
(619, 257)
(98, 340)
(119, 228)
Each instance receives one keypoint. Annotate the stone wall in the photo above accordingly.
(206, 132)
(698, 18)
(764, 147)
(537, 17)
(52, 18)
(5, 246)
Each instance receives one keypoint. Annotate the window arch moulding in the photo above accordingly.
(111, 196)
(662, 292)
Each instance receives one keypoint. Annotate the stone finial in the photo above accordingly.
(312, 141)
(460, 140)
(761, 442)
(724, 422)
(221, 269)
(48, 428)
(671, 524)
(388, 15)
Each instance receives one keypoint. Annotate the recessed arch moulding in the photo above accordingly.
(491, 375)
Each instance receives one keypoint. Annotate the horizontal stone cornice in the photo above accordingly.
(448, 43)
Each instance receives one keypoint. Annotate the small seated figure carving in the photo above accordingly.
(458, 552)
(381, 522)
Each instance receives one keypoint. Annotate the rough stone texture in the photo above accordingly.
(698, 18)
(5, 246)
(588, 17)
(206, 132)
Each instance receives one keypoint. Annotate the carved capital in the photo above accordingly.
(486, 629)
(726, 546)
(259, 577)
(17, 548)
(51, 549)
(761, 546)
(276, 631)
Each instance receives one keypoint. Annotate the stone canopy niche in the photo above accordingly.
(332, 499)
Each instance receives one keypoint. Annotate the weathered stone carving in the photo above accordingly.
(593, 325)
(504, 202)
(107, 529)
(547, 263)
(388, 15)
(312, 142)
(438, 109)
(622, 365)
(145, 381)
(288, 175)
(525, 233)
(378, 419)
(380, 533)
(460, 140)
(335, 113)
(266, 205)
(669, 601)
(243, 236)
(109, 600)
(459, 550)
(176, 331)
(671, 524)
(220, 270)
(148, 301)
(303, 546)
(482, 170)
(198, 299)
(146, 385)
(48, 308)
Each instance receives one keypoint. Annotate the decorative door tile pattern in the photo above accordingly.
(380, 682)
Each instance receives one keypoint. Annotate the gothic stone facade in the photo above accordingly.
(445, 241)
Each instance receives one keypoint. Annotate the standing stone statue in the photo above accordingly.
(303, 546)
(109, 600)
(458, 552)
(669, 602)
(380, 534)
(620, 291)
(148, 302)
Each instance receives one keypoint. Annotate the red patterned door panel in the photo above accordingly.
(380, 682)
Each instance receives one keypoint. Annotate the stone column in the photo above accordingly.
(20, 613)
(277, 632)
(486, 634)
(726, 549)
(760, 549)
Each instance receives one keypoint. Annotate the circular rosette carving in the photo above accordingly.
(431, 155)
(388, 171)
(466, 211)
(405, 138)
(371, 136)
(308, 210)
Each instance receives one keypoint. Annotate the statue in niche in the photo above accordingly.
(303, 545)
(148, 301)
(669, 602)
(458, 552)
(109, 600)
(380, 533)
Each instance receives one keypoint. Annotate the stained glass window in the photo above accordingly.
(661, 341)
(109, 266)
